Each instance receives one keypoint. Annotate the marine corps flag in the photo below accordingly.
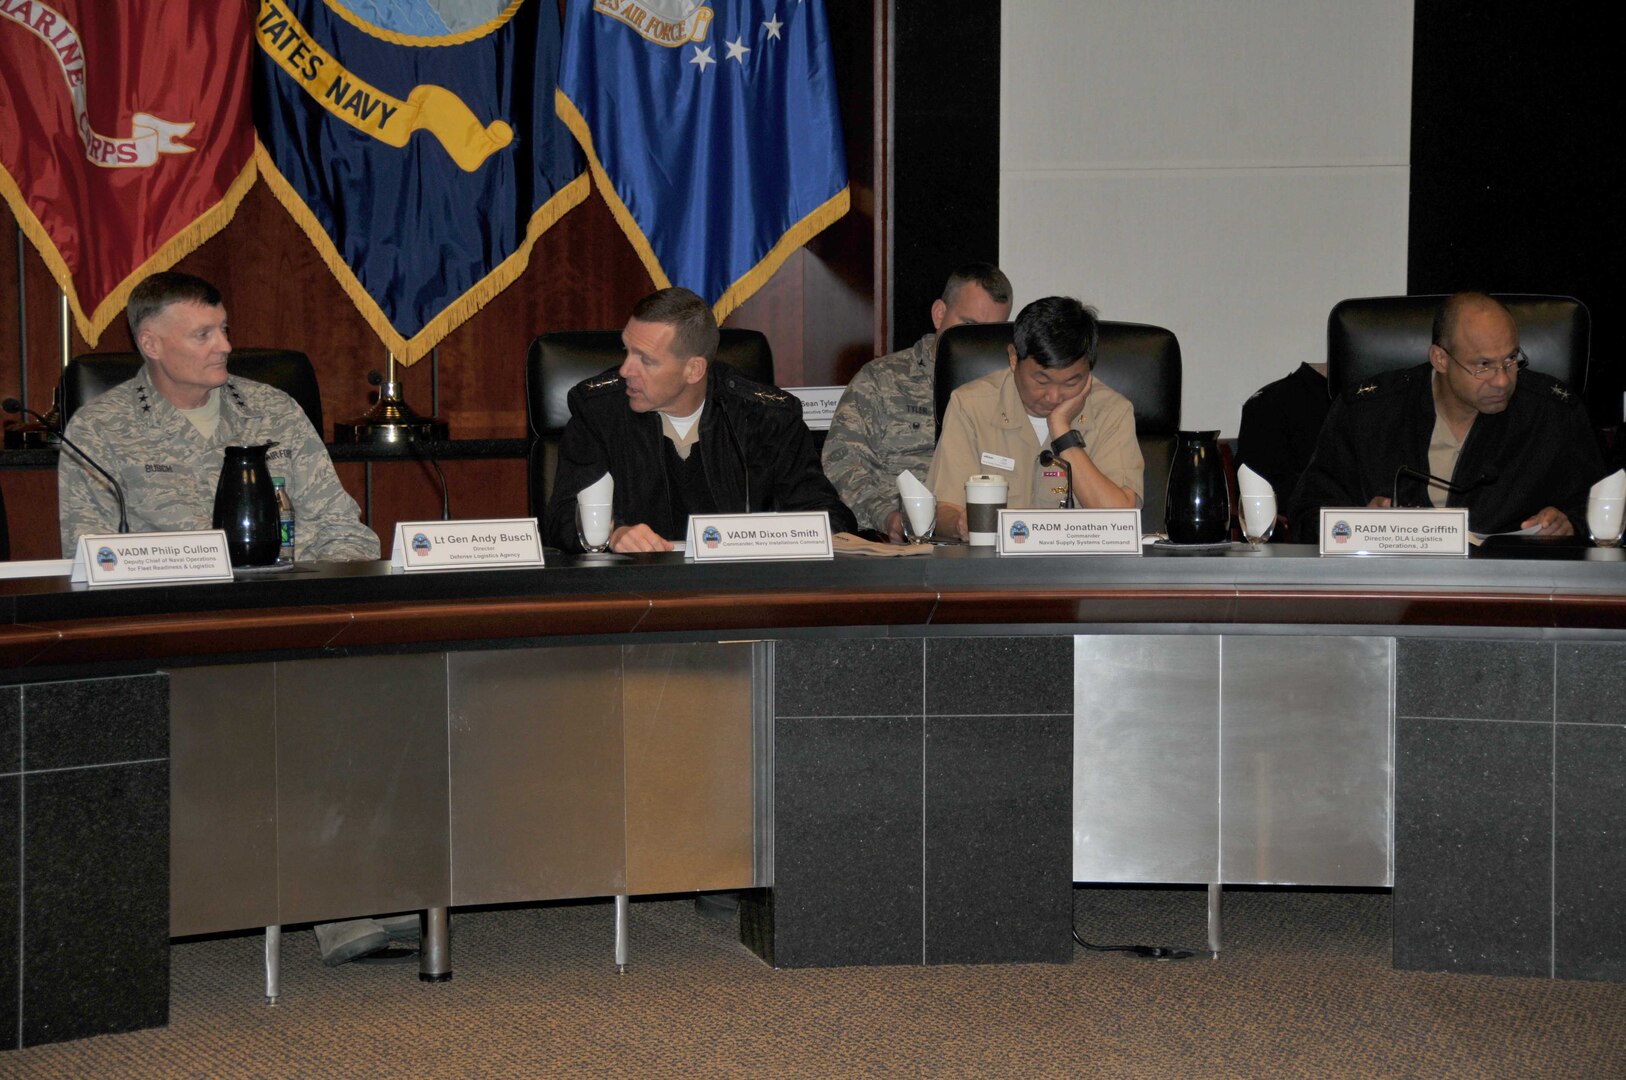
(711, 129)
(423, 168)
(125, 139)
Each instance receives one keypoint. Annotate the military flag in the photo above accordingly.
(125, 137)
(711, 129)
(423, 168)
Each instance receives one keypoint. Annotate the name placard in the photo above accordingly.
(1394, 532)
(1069, 532)
(152, 558)
(487, 544)
(818, 404)
(741, 537)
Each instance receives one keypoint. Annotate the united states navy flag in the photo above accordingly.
(422, 168)
(711, 129)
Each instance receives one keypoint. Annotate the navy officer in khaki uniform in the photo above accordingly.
(1049, 398)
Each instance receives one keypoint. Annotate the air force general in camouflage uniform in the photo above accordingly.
(886, 421)
(167, 457)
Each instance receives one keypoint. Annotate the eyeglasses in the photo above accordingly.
(1484, 369)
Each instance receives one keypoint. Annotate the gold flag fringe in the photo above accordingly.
(635, 236)
(170, 252)
(832, 210)
(410, 350)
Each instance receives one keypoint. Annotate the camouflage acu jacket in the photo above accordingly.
(169, 471)
(886, 423)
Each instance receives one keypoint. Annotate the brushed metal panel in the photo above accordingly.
(536, 774)
(361, 786)
(690, 777)
(1308, 762)
(1145, 758)
(222, 798)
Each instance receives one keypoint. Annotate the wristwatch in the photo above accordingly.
(1066, 441)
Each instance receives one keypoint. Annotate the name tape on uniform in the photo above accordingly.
(1394, 532)
(740, 537)
(488, 544)
(1069, 532)
(998, 461)
(152, 558)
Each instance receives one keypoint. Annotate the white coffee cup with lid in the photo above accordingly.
(985, 497)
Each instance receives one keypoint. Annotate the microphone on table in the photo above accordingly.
(1048, 457)
(12, 405)
(375, 379)
(1484, 478)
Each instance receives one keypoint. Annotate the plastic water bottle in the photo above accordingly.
(285, 518)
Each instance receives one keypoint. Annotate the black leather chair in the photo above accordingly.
(560, 360)
(88, 377)
(1370, 335)
(1140, 362)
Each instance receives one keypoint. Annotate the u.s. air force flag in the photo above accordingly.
(712, 131)
(423, 168)
(125, 139)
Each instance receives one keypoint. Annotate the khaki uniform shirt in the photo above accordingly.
(886, 423)
(169, 470)
(986, 417)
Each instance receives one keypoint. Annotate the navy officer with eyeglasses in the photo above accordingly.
(1472, 427)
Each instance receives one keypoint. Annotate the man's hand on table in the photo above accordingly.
(640, 537)
(1553, 522)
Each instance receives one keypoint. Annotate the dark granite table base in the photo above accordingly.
(84, 858)
(922, 803)
(1510, 808)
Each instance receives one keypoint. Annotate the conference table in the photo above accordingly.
(904, 760)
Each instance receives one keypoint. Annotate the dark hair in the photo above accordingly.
(1056, 331)
(161, 290)
(697, 333)
(990, 278)
(1450, 311)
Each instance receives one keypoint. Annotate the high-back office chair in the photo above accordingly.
(1140, 362)
(560, 360)
(1370, 335)
(88, 377)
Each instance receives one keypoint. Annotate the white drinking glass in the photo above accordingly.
(1603, 520)
(919, 517)
(594, 522)
(1258, 517)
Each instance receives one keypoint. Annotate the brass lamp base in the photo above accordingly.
(391, 420)
(30, 437)
(34, 434)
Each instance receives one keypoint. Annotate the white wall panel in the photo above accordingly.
(1226, 168)
(1243, 265)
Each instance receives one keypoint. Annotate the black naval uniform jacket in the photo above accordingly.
(1539, 451)
(1280, 425)
(742, 419)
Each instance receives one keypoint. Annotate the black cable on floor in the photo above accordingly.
(1150, 952)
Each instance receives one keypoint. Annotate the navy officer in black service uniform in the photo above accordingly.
(682, 434)
(1515, 444)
